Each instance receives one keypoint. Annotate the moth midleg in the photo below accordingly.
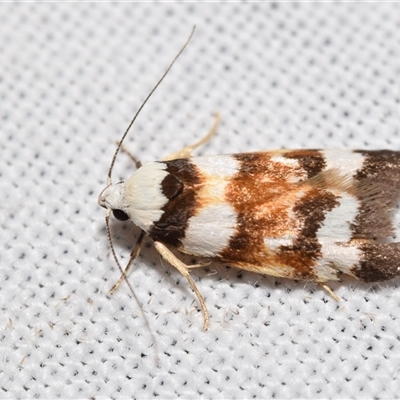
(184, 270)
(199, 265)
(329, 290)
(186, 152)
(134, 254)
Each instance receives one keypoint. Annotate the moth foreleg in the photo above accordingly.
(130, 155)
(184, 270)
(186, 152)
(134, 254)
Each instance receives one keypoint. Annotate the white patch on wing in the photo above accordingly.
(144, 198)
(347, 162)
(209, 232)
(296, 173)
(290, 162)
(334, 235)
(219, 166)
(274, 243)
(214, 190)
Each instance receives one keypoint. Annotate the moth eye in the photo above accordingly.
(120, 215)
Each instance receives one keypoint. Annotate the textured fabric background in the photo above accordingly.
(306, 75)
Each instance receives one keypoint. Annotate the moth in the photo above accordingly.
(308, 215)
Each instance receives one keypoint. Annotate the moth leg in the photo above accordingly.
(199, 265)
(130, 155)
(186, 152)
(183, 269)
(329, 290)
(134, 254)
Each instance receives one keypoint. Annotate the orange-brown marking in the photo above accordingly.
(262, 166)
(274, 208)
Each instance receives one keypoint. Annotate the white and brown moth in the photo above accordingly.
(302, 214)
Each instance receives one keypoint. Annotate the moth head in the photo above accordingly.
(112, 198)
(142, 197)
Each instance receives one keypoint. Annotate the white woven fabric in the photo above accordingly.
(305, 75)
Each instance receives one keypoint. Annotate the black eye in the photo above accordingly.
(120, 215)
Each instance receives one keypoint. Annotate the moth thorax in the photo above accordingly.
(144, 195)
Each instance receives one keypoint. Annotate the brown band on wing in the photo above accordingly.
(380, 262)
(378, 192)
(171, 186)
(306, 249)
(182, 181)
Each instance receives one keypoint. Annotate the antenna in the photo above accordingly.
(137, 247)
(144, 102)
